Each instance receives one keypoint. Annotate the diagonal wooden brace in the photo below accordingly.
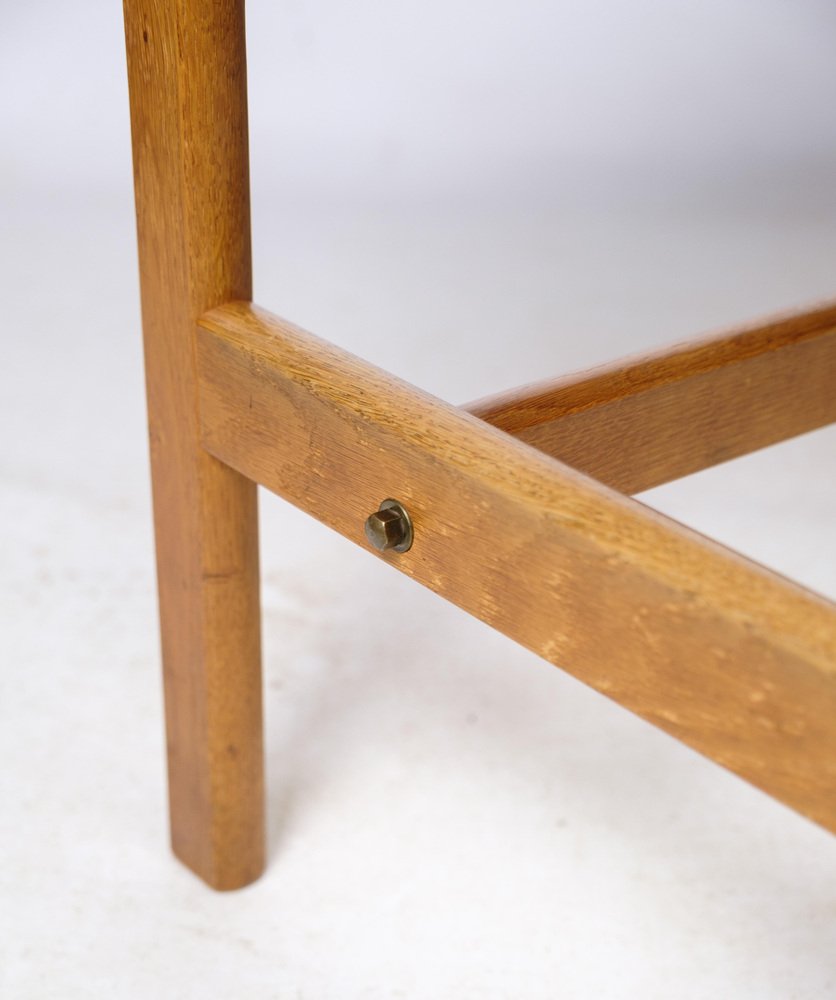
(725, 655)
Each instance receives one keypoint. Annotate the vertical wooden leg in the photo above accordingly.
(187, 75)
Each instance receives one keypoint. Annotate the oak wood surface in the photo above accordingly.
(723, 654)
(187, 81)
(641, 422)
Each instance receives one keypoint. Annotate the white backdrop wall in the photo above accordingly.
(453, 98)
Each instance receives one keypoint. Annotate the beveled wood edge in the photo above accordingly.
(727, 656)
(648, 418)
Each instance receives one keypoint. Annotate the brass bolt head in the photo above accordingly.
(389, 527)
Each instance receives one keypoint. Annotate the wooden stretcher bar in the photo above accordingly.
(728, 657)
(641, 422)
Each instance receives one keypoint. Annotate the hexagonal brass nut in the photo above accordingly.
(390, 527)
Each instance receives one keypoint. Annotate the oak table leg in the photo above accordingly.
(187, 75)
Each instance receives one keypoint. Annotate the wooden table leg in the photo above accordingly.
(187, 74)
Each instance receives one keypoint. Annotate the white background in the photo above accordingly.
(473, 196)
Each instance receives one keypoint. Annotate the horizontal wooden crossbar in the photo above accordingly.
(725, 655)
(641, 422)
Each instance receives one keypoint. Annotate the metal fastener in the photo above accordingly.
(390, 527)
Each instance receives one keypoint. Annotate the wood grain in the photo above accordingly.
(187, 79)
(728, 657)
(641, 422)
